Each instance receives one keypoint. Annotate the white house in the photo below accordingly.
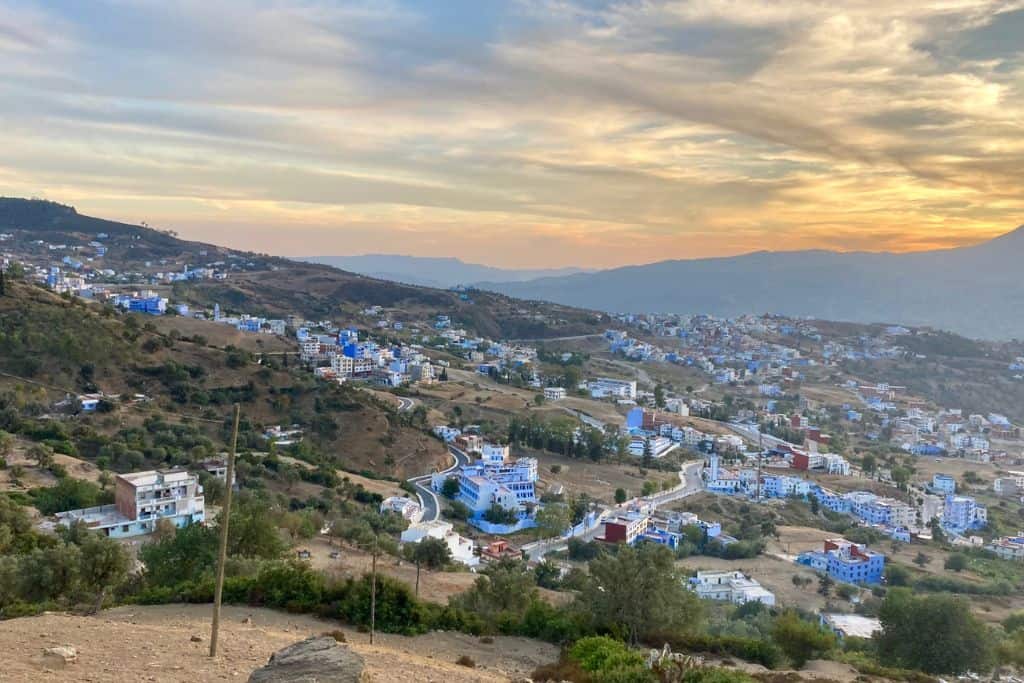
(460, 548)
(554, 393)
(406, 507)
(734, 587)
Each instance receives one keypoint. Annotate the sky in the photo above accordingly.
(527, 133)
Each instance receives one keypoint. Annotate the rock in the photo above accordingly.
(59, 656)
(318, 659)
(196, 639)
(247, 620)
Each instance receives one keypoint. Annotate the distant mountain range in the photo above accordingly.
(976, 291)
(432, 272)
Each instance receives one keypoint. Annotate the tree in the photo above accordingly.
(868, 463)
(450, 488)
(6, 445)
(956, 562)
(639, 593)
(648, 454)
(648, 488)
(900, 476)
(897, 575)
(432, 553)
(659, 396)
(936, 634)
(620, 495)
(800, 640)
(553, 520)
(921, 559)
(104, 566)
(825, 583)
(938, 535)
(41, 454)
(496, 514)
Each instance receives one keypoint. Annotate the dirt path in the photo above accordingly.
(154, 644)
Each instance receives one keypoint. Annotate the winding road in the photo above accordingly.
(428, 499)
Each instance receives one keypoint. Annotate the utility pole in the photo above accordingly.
(225, 514)
(373, 591)
(417, 577)
(760, 457)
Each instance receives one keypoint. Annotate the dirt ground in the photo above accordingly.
(773, 573)
(219, 334)
(434, 586)
(597, 480)
(33, 477)
(153, 643)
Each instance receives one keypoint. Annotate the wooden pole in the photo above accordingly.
(373, 591)
(225, 515)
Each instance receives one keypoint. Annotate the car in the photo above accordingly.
(335, 555)
(304, 554)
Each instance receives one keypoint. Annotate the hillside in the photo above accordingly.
(432, 272)
(970, 290)
(52, 347)
(264, 284)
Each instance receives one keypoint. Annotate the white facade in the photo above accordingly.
(406, 507)
(734, 587)
(613, 388)
(554, 393)
(462, 549)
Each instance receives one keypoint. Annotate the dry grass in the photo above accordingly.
(154, 644)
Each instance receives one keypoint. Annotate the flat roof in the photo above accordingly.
(853, 624)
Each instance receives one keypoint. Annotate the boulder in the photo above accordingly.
(318, 659)
(59, 656)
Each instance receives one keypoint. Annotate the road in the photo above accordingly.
(554, 339)
(428, 499)
(754, 435)
(405, 404)
(689, 484)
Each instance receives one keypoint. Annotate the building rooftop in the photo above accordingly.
(853, 625)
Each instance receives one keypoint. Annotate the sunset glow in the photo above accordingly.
(523, 134)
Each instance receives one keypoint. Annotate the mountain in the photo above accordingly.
(432, 272)
(976, 291)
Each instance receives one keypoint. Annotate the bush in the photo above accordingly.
(714, 674)
(466, 661)
(759, 651)
(608, 660)
(801, 640)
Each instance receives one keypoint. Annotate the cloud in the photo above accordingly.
(601, 132)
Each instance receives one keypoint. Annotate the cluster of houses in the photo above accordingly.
(342, 355)
(640, 520)
(80, 269)
(896, 518)
(921, 431)
(656, 434)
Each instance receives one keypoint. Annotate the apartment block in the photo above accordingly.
(141, 499)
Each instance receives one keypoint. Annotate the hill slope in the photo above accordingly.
(432, 272)
(270, 285)
(51, 347)
(974, 291)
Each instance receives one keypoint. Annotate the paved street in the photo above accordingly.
(428, 499)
